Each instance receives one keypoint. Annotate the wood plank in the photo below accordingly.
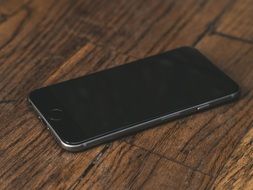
(204, 141)
(33, 43)
(146, 27)
(128, 167)
(238, 173)
(10, 7)
(87, 60)
(238, 21)
(43, 42)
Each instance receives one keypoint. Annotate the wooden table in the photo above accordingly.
(46, 41)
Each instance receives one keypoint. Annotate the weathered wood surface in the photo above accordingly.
(237, 173)
(46, 41)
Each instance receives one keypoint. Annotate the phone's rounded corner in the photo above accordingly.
(66, 145)
(236, 92)
(31, 96)
(71, 147)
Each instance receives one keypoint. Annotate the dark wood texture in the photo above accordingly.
(47, 41)
(237, 22)
(237, 173)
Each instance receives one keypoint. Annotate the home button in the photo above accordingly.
(55, 114)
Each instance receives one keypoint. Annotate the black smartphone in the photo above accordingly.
(109, 104)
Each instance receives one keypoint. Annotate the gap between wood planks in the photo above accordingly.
(7, 101)
(96, 159)
(211, 29)
(232, 37)
(211, 26)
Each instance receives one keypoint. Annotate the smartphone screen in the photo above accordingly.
(127, 95)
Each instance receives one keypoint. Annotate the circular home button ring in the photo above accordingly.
(55, 114)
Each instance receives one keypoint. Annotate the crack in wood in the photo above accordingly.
(233, 37)
(169, 159)
(211, 25)
(3, 17)
(93, 162)
(7, 101)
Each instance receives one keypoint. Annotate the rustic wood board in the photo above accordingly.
(146, 27)
(237, 173)
(47, 41)
(238, 21)
(34, 43)
(124, 166)
(29, 156)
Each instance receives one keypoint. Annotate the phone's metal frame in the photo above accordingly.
(134, 128)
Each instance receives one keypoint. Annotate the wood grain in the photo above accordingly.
(33, 44)
(237, 173)
(10, 7)
(30, 158)
(85, 61)
(237, 22)
(128, 167)
(146, 27)
(48, 41)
